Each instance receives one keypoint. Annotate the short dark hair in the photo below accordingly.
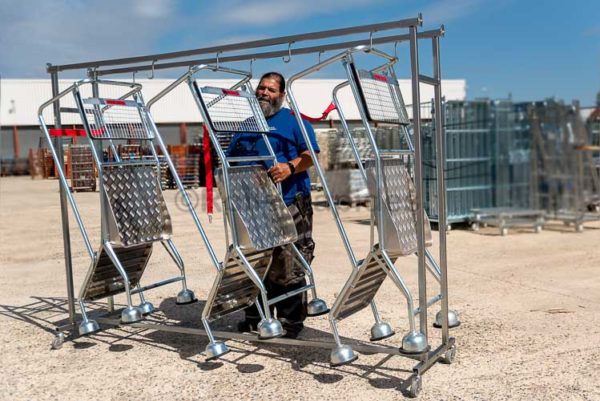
(278, 77)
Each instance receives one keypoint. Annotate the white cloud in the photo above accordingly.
(33, 32)
(268, 12)
(153, 8)
(444, 11)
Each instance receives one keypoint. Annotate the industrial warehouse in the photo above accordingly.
(158, 233)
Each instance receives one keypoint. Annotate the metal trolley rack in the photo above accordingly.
(397, 212)
(246, 251)
(256, 218)
(133, 212)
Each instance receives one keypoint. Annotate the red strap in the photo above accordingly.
(208, 172)
(73, 132)
(326, 112)
(66, 132)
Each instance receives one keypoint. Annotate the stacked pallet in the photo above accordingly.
(47, 162)
(81, 168)
(187, 159)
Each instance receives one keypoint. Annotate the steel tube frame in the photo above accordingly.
(229, 210)
(427, 359)
(431, 263)
(418, 171)
(63, 189)
(272, 54)
(441, 182)
(404, 23)
(361, 347)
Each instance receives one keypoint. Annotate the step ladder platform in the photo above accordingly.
(235, 290)
(103, 279)
(362, 285)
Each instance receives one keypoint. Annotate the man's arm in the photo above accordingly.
(282, 171)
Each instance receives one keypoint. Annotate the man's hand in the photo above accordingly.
(280, 172)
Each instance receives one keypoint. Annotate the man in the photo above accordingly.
(293, 159)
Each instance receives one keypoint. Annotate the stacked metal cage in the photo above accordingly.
(469, 139)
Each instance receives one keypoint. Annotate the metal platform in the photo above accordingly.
(362, 286)
(138, 212)
(398, 194)
(505, 218)
(262, 219)
(103, 279)
(234, 290)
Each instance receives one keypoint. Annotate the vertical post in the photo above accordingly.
(440, 163)
(416, 109)
(16, 147)
(183, 131)
(64, 212)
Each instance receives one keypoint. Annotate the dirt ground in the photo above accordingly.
(529, 305)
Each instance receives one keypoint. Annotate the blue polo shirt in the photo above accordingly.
(287, 143)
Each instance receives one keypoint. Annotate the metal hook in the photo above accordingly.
(133, 76)
(370, 41)
(289, 54)
(396, 50)
(319, 56)
(217, 63)
(151, 76)
(251, 62)
(93, 72)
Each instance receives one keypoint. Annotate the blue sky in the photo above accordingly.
(530, 49)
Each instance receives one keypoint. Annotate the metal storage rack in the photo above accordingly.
(469, 164)
(566, 178)
(425, 358)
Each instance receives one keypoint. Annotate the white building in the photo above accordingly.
(21, 98)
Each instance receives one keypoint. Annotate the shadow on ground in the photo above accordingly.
(47, 313)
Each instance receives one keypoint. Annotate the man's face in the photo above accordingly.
(269, 96)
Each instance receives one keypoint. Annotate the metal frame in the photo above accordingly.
(343, 354)
(446, 350)
(232, 212)
(431, 263)
(113, 246)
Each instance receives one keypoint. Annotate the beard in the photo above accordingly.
(270, 107)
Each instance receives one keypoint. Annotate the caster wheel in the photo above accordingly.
(538, 229)
(579, 228)
(415, 386)
(58, 341)
(449, 355)
(504, 232)
(474, 227)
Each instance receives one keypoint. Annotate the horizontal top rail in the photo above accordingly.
(273, 54)
(404, 23)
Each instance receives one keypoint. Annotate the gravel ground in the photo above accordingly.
(529, 306)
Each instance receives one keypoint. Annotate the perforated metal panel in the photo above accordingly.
(104, 280)
(232, 110)
(382, 97)
(116, 119)
(266, 221)
(138, 210)
(399, 195)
